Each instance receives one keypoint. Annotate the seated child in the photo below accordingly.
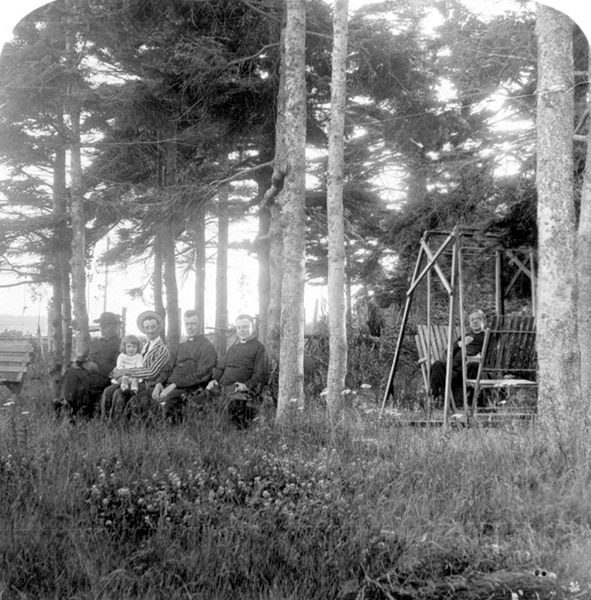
(129, 358)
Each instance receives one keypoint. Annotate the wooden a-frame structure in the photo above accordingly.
(460, 243)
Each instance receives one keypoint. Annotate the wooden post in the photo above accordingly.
(499, 292)
(534, 292)
(452, 300)
(462, 324)
(409, 296)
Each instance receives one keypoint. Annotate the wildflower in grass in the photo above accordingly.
(324, 392)
(346, 392)
(10, 403)
(123, 492)
(175, 480)
(574, 587)
(365, 386)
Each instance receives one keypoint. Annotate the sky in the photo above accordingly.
(242, 285)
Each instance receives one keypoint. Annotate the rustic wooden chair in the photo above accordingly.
(429, 353)
(508, 359)
(15, 358)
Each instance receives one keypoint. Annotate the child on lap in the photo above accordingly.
(130, 357)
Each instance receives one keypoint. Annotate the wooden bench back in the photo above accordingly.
(510, 348)
(15, 356)
(439, 338)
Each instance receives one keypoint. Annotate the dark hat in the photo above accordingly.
(150, 314)
(108, 318)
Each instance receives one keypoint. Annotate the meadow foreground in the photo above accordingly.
(300, 512)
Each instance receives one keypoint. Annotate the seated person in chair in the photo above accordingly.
(194, 362)
(241, 374)
(155, 368)
(81, 386)
(474, 342)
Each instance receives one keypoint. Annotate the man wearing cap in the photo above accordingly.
(156, 367)
(80, 387)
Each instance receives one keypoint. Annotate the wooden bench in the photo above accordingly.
(509, 360)
(15, 358)
(436, 350)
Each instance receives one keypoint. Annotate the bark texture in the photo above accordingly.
(221, 275)
(584, 278)
(169, 249)
(558, 352)
(200, 258)
(78, 259)
(59, 253)
(292, 203)
(337, 310)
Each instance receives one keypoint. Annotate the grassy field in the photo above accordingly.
(374, 511)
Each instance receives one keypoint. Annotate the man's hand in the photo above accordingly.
(169, 388)
(212, 384)
(157, 391)
(119, 373)
(468, 340)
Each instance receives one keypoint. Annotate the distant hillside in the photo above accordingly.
(23, 323)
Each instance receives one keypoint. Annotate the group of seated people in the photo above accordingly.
(129, 380)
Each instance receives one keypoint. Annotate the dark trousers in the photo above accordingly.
(437, 382)
(240, 407)
(80, 391)
(114, 401)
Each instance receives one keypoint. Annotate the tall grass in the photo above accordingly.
(299, 512)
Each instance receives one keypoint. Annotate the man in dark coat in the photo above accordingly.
(81, 386)
(242, 373)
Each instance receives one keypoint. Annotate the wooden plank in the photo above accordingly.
(510, 349)
(15, 356)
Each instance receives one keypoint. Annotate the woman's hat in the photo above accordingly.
(150, 314)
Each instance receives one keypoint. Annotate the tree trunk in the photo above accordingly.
(292, 201)
(263, 258)
(78, 259)
(158, 280)
(274, 235)
(169, 250)
(221, 271)
(558, 353)
(170, 283)
(273, 339)
(59, 249)
(66, 311)
(337, 364)
(263, 242)
(200, 258)
(584, 276)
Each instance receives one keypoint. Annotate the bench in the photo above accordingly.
(15, 358)
(436, 351)
(509, 360)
